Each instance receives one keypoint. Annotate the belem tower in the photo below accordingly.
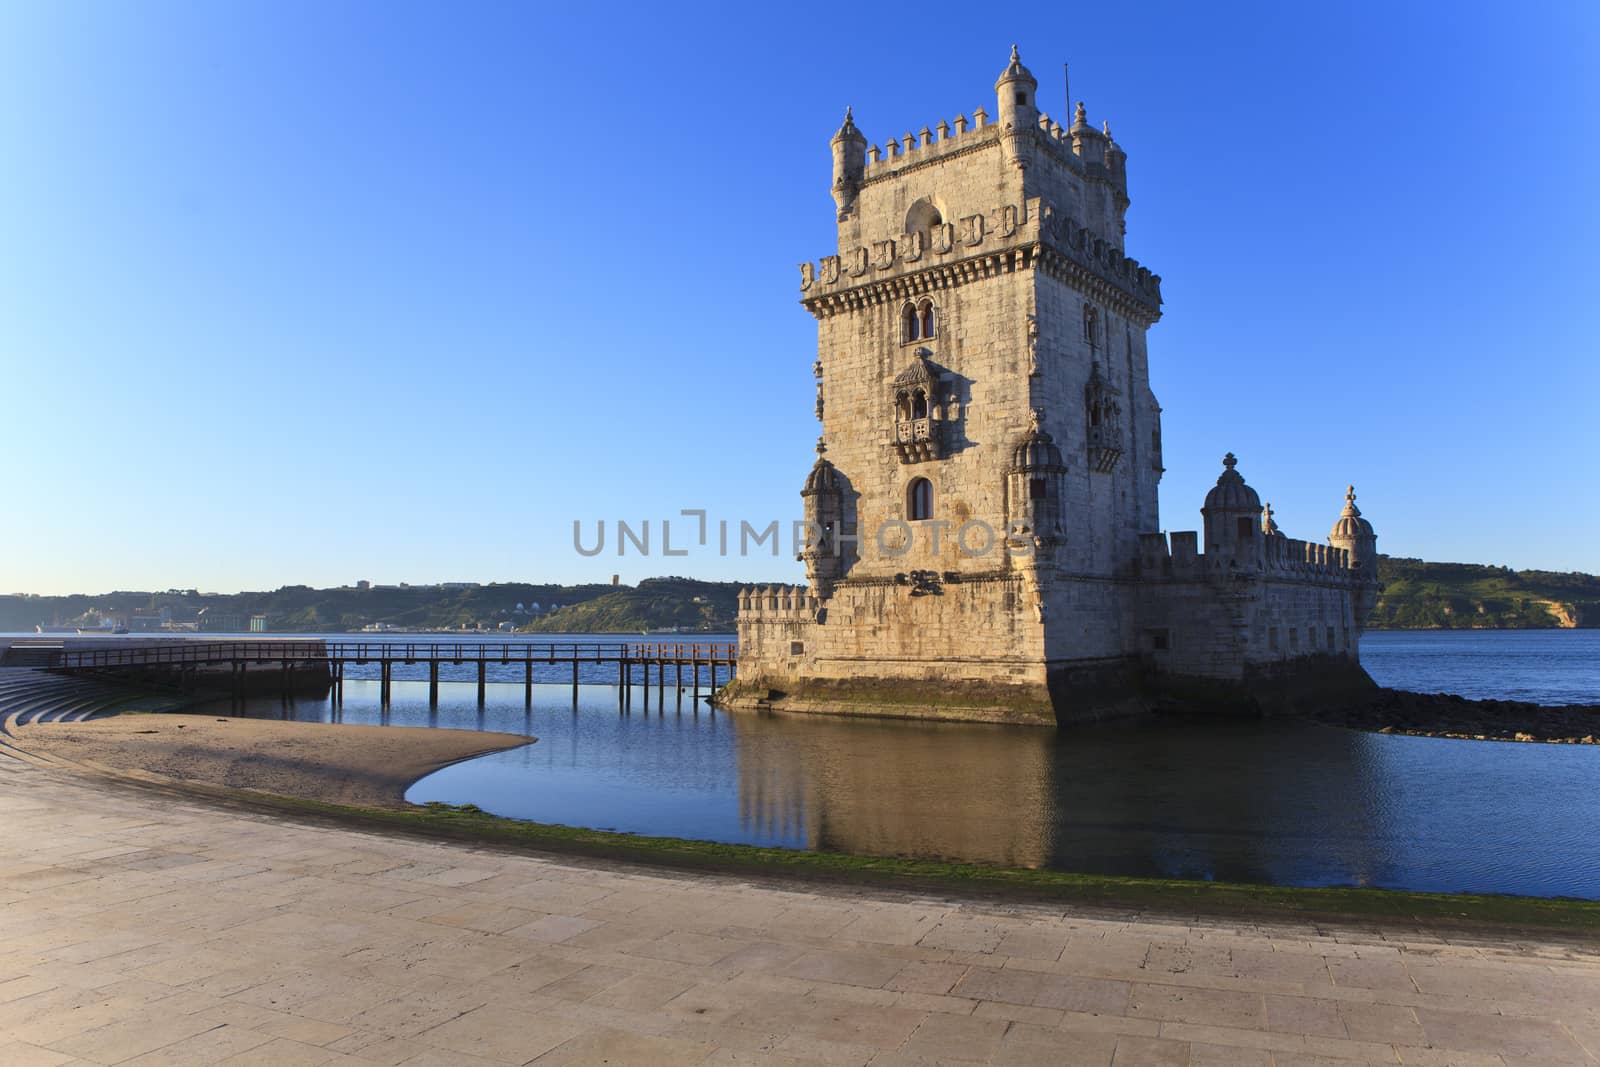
(982, 370)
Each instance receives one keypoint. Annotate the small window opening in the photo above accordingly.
(926, 319)
(1159, 640)
(912, 329)
(1247, 528)
(1022, 98)
(919, 500)
(1036, 489)
(919, 405)
(797, 648)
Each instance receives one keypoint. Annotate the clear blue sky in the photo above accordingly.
(312, 292)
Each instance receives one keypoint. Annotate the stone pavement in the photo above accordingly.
(139, 929)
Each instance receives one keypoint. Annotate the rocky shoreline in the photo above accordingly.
(1393, 711)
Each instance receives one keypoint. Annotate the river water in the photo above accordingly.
(1267, 801)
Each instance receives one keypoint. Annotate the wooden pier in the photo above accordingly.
(696, 667)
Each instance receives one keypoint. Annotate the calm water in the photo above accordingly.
(1258, 801)
(1541, 666)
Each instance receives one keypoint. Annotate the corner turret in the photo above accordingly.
(849, 164)
(1016, 108)
(823, 498)
(1034, 486)
(1354, 533)
(1088, 143)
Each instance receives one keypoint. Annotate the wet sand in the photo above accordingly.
(367, 766)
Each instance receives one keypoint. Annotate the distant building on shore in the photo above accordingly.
(985, 540)
(212, 621)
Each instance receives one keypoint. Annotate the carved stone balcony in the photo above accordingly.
(918, 439)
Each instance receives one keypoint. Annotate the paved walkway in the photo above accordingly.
(138, 929)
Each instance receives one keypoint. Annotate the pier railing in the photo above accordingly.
(182, 652)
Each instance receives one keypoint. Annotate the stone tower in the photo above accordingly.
(987, 472)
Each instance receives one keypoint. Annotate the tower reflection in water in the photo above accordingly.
(1215, 800)
(872, 787)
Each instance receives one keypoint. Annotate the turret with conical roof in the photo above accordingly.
(1017, 108)
(849, 164)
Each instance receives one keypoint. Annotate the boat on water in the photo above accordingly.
(107, 628)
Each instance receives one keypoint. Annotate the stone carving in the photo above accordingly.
(808, 275)
(972, 230)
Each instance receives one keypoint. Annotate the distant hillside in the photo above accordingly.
(1416, 595)
(1467, 596)
(655, 604)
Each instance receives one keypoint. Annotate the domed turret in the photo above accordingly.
(824, 478)
(824, 514)
(1354, 534)
(1034, 487)
(1231, 493)
(1036, 451)
(1233, 518)
(1350, 525)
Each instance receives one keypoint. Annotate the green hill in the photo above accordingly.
(1467, 596)
(654, 604)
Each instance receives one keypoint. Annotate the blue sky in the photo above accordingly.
(312, 292)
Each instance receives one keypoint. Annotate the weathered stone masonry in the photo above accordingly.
(985, 492)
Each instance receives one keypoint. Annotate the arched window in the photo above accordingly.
(919, 405)
(919, 500)
(911, 323)
(902, 406)
(922, 218)
(926, 315)
(1091, 324)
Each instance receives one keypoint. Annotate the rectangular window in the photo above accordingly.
(1036, 488)
(1330, 639)
(797, 648)
(1272, 639)
(1294, 639)
(1247, 527)
(1159, 640)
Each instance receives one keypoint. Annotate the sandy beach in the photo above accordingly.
(368, 766)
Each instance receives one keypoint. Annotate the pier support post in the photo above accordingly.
(574, 678)
(433, 683)
(527, 683)
(483, 677)
(385, 673)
